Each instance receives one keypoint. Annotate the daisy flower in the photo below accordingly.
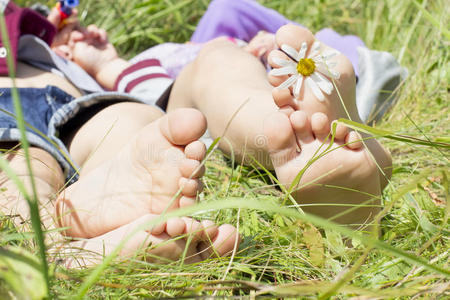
(308, 69)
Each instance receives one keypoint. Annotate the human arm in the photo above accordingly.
(99, 58)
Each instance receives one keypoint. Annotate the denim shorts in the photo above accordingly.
(46, 111)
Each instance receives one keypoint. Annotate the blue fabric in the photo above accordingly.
(38, 105)
(46, 111)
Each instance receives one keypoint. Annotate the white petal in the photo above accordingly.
(315, 89)
(298, 86)
(335, 74)
(288, 82)
(281, 62)
(332, 64)
(327, 71)
(314, 49)
(329, 54)
(318, 59)
(302, 52)
(289, 50)
(323, 83)
(315, 46)
(283, 71)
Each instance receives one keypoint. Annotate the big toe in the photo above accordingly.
(293, 36)
(183, 126)
(319, 77)
(281, 139)
(288, 37)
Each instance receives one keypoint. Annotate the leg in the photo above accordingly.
(49, 180)
(224, 81)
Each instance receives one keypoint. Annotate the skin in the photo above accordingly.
(127, 132)
(284, 133)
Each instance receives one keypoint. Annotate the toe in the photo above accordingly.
(302, 127)
(195, 150)
(224, 243)
(186, 201)
(281, 139)
(210, 230)
(284, 98)
(193, 229)
(341, 131)
(320, 125)
(191, 168)
(158, 228)
(275, 59)
(175, 227)
(183, 126)
(190, 187)
(293, 36)
(354, 140)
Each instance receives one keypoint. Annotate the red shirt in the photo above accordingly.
(20, 21)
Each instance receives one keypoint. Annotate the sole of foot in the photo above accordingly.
(330, 87)
(159, 170)
(182, 238)
(340, 180)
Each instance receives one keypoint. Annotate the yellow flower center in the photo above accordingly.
(306, 66)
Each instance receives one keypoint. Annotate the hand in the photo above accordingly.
(63, 32)
(98, 57)
(91, 49)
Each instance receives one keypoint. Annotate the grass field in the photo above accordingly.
(283, 254)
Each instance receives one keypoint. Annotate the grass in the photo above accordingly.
(286, 254)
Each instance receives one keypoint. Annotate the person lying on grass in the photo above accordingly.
(134, 158)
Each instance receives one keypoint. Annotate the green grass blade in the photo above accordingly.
(32, 201)
(444, 31)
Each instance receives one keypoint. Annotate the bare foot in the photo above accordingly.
(305, 90)
(183, 237)
(323, 82)
(143, 178)
(157, 171)
(343, 177)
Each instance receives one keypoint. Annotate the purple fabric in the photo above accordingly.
(240, 19)
(243, 19)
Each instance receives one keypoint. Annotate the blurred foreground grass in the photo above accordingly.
(280, 256)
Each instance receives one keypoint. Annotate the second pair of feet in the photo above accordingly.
(160, 169)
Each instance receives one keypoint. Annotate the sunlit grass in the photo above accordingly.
(285, 253)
